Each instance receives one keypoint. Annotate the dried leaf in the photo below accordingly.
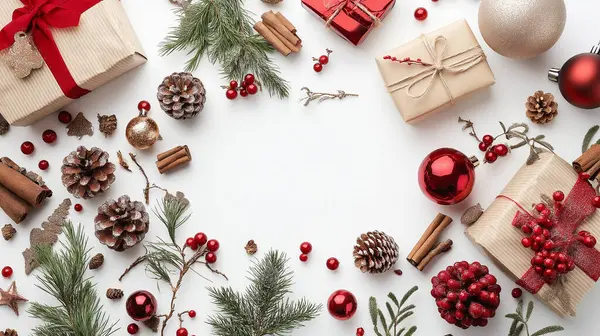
(533, 156)
(513, 327)
(519, 145)
(471, 215)
(548, 330)
(529, 311)
(514, 127)
(107, 124)
(503, 127)
(588, 138)
(122, 162)
(547, 145)
(519, 330)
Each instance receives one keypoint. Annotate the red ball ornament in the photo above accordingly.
(491, 157)
(487, 139)
(182, 332)
(27, 147)
(333, 263)
(579, 80)
(212, 245)
(211, 258)
(7, 272)
(133, 329)
(43, 165)
(421, 14)
(342, 305)
(141, 305)
(483, 147)
(144, 106)
(201, 238)
(446, 176)
(360, 332)
(49, 136)
(306, 247)
(78, 207)
(65, 117)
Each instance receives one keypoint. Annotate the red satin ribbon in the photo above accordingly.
(37, 17)
(576, 208)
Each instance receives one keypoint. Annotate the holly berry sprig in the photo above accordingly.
(322, 60)
(518, 131)
(407, 60)
(249, 85)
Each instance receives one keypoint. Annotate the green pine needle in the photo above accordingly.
(264, 308)
(587, 139)
(396, 316)
(77, 311)
(520, 322)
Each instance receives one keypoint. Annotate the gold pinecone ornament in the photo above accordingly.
(541, 107)
(181, 95)
(121, 224)
(87, 173)
(375, 252)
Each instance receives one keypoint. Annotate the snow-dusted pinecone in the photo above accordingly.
(121, 224)
(181, 95)
(375, 252)
(87, 173)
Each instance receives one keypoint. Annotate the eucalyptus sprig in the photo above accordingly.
(397, 314)
(589, 136)
(520, 322)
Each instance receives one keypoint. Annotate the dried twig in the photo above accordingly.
(322, 96)
(469, 124)
(329, 51)
(122, 161)
(407, 60)
(147, 188)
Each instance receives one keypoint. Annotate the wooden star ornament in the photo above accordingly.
(11, 298)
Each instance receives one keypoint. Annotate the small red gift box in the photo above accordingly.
(351, 19)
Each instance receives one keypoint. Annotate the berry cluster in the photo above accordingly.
(248, 86)
(211, 245)
(551, 258)
(466, 294)
(492, 152)
(322, 60)
(183, 331)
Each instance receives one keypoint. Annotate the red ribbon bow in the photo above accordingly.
(574, 210)
(37, 17)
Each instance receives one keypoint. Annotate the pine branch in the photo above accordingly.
(397, 314)
(520, 322)
(63, 276)
(263, 309)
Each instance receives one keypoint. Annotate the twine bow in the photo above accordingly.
(339, 5)
(438, 67)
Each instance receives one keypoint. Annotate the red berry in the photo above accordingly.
(596, 201)
(495, 288)
(231, 94)
(210, 257)
(249, 79)
(49, 136)
(561, 268)
(133, 329)
(421, 14)
(243, 93)
(484, 296)
(548, 263)
(318, 67)
(475, 310)
(43, 165)
(444, 276)
(589, 241)
(550, 274)
(501, 150)
(526, 242)
(323, 59)
(526, 229)
(182, 332)
(548, 245)
(583, 233)
(192, 313)
(303, 257)
(64, 117)
(435, 0)
(27, 147)
(483, 147)
(491, 157)
(474, 289)
(212, 245)
(7, 272)
(538, 230)
(487, 139)
(562, 258)
(463, 296)
(243, 84)
(467, 275)
(78, 207)
(360, 332)
(452, 296)
(540, 207)
(333, 263)
(144, 106)
(516, 293)
(558, 196)
(453, 284)
(398, 272)
(233, 85)
(306, 248)
(191, 243)
(201, 238)
(491, 280)
(252, 89)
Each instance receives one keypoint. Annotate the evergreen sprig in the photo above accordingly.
(78, 311)
(222, 30)
(397, 314)
(520, 322)
(587, 139)
(264, 308)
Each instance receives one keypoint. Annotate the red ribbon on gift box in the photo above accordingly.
(575, 209)
(37, 17)
(339, 5)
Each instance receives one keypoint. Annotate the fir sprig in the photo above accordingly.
(222, 30)
(520, 322)
(587, 139)
(264, 308)
(78, 311)
(397, 314)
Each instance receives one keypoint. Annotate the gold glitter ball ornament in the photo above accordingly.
(142, 131)
(521, 29)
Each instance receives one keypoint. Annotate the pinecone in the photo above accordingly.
(96, 262)
(541, 107)
(114, 293)
(181, 95)
(121, 224)
(153, 323)
(8, 232)
(87, 173)
(9, 332)
(375, 252)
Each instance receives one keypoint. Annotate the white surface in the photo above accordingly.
(280, 173)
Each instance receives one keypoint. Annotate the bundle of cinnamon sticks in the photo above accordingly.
(279, 32)
(428, 247)
(173, 158)
(589, 162)
(19, 194)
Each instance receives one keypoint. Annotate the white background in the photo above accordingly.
(280, 173)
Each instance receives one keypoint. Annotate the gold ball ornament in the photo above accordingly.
(142, 131)
(521, 29)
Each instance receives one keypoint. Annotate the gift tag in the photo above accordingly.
(23, 56)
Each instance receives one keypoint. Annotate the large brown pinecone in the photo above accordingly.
(9, 332)
(375, 252)
(541, 107)
(181, 95)
(121, 224)
(87, 173)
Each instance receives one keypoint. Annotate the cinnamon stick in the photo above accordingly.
(437, 250)
(15, 207)
(431, 240)
(266, 33)
(286, 22)
(589, 162)
(280, 37)
(271, 19)
(22, 186)
(434, 224)
(173, 158)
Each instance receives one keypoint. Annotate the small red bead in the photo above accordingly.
(192, 313)
(249, 79)
(7, 272)
(243, 84)
(212, 245)
(333, 263)
(360, 332)
(435, 0)
(483, 147)
(191, 243)
(252, 89)
(501, 150)
(43, 165)
(596, 201)
(306, 248)
(589, 241)
(201, 238)
(558, 196)
(78, 207)
(27, 147)
(421, 14)
(231, 94)
(318, 67)
(182, 332)
(64, 117)
(133, 329)
(488, 139)
(323, 59)
(243, 93)
(49, 136)
(303, 257)
(211, 258)
(526, 242)
(233, 84)
(540, 207)
(144, 106)
(398, 272)
(491, 157)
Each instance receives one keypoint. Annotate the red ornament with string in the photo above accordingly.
(342, 305)
(141, 305)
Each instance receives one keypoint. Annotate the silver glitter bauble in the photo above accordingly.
(521, 29)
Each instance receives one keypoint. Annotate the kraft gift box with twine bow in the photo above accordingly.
(455, 65)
